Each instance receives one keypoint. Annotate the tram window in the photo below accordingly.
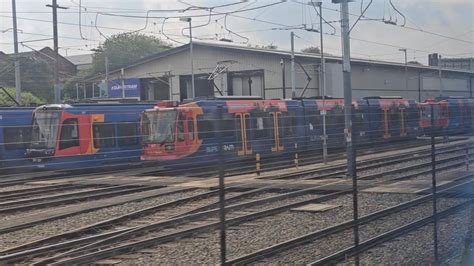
(205, 127)
(227, 126)
(16, 137)
(314, 120)
(127, 134)
(290, 124)
(180, 130)
(69, 134)
(358, 119)
(261, 126)
(248, 126)
(238, 126)
(190, 130)
(104, 135)
(394, 117)
(335, 118)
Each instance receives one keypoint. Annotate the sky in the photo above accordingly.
(430, 26)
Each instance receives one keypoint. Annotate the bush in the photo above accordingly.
(27, 98)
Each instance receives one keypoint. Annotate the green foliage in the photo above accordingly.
(36, 77)
(270, 46)
(122, 49)
(311, 50)
(27, 98)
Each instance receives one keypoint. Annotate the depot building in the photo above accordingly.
(228, 69)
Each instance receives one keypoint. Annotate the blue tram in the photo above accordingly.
(15, 131)
(80, 136)
(187, 133)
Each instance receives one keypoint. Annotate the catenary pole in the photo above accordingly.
(57, 88)
(351, 160)
(293, 78)
(57, 85)
(17, 59)
(323, 82)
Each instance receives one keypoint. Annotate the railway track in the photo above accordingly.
(101, 238)
(42, 202)
(139, 169)
(331, 171)
(286, 248)
(188, 224)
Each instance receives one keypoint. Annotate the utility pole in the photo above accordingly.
(191, 53)
(406, 67)
(123, 82)
(283, 81)
(106, 73)
(293, 77)
(17, 60)
(440, 74)
(57, 85)
(322, 79)
(351, 159)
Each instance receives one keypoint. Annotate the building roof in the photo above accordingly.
(82, 59)
(45, 52)
(283, 53)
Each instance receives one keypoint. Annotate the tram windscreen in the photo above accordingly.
(159, 126)
(45, 129)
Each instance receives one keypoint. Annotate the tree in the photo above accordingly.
(271, 46)
(36, 76)
(311, 50)
(27, 98)
(124, 48)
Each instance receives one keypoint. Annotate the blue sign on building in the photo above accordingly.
(132, 88)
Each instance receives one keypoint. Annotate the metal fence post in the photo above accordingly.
(221, 186)
(257, 163)
(467, 157)
(433, 177)
(296, 155)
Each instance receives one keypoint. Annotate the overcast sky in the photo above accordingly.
(450, 24)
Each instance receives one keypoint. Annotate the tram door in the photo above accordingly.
(386, 123)
(277, 131)
(403, 121)
(462, 115)
(243, 137)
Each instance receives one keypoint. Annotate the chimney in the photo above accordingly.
(433, 59)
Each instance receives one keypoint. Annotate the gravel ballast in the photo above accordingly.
(47, 229)
(261, 233)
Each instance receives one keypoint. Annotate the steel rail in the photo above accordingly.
(287, 245)
(27, 192)
(340, 169)
(80, 196)
(400, 231)
(32, 223)
(98, 251)
(202, 208)
(176, 219)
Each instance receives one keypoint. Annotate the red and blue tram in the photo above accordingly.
(187, 133)
(452, 115)
(80, 136)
